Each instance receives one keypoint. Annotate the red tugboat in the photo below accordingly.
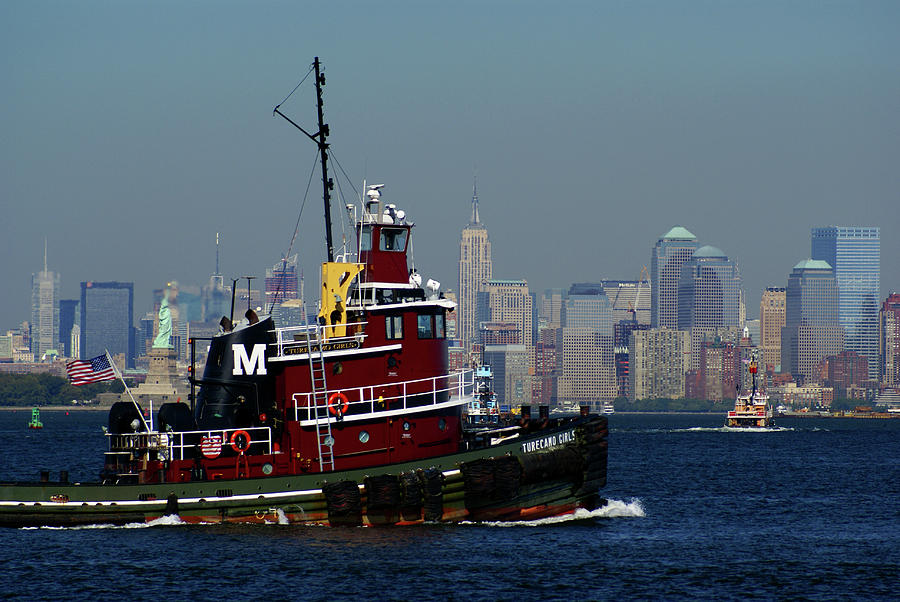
(353, 420)
(753, 410)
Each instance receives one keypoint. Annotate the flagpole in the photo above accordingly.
(127, 390)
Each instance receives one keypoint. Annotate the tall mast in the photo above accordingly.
(327, 184)
(319, 139)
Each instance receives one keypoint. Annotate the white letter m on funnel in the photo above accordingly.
(255, 364)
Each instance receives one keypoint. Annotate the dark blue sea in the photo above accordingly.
(808, 512)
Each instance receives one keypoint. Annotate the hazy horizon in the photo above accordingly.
(134, 132)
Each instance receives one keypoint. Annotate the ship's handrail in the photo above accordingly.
(179, 445)
(363, 400)
(295, 337)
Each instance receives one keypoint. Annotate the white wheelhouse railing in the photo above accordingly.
(297, 340)
(181, 445)
(456, 388)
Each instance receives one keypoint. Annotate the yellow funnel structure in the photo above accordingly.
(336, 280)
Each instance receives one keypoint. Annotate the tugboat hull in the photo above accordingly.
(549, 473)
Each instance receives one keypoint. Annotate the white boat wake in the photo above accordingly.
(612, 509)
(163, 521)
(731, 429)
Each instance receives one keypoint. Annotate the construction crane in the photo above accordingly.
(632, 307)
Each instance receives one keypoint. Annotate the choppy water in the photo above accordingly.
(810, 510)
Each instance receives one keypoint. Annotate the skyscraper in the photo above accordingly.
(474, 269)
(658, 359)
(509, 364)
(68, 318)
(671, 251)
(709, 291)
(44, 310)
(282, 284)
(107, 322)
(889, 341)
(812, 330)
(215, 302)
(855, 255)
(709, 297)
(771, 321)
(551, 305)
(585, 355)
(506, 301)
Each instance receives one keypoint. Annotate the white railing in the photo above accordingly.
(363, 400)
(180, 445)
(294, 339)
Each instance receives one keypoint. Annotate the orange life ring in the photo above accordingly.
(236, 444)
(335, 400)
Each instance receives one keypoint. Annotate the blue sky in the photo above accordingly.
(132, 132)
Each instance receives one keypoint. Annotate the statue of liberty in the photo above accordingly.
(165, 325)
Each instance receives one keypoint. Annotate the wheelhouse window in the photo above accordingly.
(439, 330)
(393, 327)
(365, 238)
(393, 239)
(426, 326)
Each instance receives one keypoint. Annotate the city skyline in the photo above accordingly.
(134, 137)
(147, 302)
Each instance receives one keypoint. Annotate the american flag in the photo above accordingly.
(83, 372)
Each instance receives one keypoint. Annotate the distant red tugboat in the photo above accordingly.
(354, 420)
(751, 410)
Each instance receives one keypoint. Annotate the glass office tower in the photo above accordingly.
(855, 255)
(107, 323)
(671, 251)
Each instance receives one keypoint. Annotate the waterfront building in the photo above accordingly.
(721, 376)
(584, 347)
(107, 322)
(889, 341)
(855, 255)
(507, 301)
(658, 360)
(671, 251)
(846, 370)
(709, 297)
(543, 385)
(796, 396)
(812, 330)
(771, 321)
(6, 348)
(621, 336)
(44, 311)
(474, 269)
(509, 364)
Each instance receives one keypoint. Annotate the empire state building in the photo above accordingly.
(474, 270)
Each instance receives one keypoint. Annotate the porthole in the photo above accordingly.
(329, 441)
(363, 437)
(267, 468)
(442, 424)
